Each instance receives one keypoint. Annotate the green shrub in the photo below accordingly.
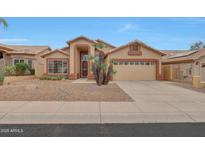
(45, 77)
(21, 68)
(10, 70)
(1, 77)
(32, 71)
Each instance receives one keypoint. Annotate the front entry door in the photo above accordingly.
(83, 65)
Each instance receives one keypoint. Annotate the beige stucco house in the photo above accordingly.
(132, 61)
(185, 66)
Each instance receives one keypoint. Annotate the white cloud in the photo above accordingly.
(13, 40)
(127, 27)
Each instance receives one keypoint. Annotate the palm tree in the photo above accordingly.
(3, 22)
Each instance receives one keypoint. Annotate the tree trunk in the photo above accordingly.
(100, 78)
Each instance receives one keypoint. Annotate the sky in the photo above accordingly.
(160, 33)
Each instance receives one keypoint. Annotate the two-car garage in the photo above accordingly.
(134, 70)
(136, 61)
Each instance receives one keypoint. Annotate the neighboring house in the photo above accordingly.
(186, 66)
(133, 61)
(31, 55)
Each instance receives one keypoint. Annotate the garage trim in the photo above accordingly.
(158, 76)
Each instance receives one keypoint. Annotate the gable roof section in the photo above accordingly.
(139, 42)
(108, 44)
(55, 51)
(81, 37)
(188, 56)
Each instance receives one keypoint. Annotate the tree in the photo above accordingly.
(197, 45)
(3, 22)
(101, 70)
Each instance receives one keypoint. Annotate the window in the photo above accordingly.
(57, 66)
(120, 63)
(147, 63)
(30, 63)
(141, 63)
(115, 62)
(126, 63)
(151, 63)
(18, 61)
(131, 63)
(84, 57)
(136, 63)
(21, 61)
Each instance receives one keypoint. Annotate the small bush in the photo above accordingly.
(10, 70)
(1, 77)
(21, 68)
(44, 77)
(32, 71)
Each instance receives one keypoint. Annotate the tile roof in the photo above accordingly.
(54, 51)
(184, 56)
(25, 49)
(108, 44)
(172, 52)
(81, 37)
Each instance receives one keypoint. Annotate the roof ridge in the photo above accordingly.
(136, 41)
(105, 42)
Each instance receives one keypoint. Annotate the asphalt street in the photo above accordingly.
(104, 130)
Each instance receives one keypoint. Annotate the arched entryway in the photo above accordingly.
(82, 64)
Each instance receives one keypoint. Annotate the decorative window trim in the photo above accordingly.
(134, 50)
(57, 59)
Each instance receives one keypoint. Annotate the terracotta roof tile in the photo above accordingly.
(184, 56)
(25, 49)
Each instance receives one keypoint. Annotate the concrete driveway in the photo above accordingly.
(155, 102)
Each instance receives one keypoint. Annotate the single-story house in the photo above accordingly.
(185, 66)
(31, 55)
(132, 61)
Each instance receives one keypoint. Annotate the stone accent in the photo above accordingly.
(73, 76)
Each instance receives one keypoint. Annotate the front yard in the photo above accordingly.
(65, 90)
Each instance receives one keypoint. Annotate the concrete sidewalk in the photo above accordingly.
(155, 102)
(96, 112)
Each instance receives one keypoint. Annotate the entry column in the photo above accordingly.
(73, 74)
(90, 73)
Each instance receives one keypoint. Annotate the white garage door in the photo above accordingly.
(135, 70)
